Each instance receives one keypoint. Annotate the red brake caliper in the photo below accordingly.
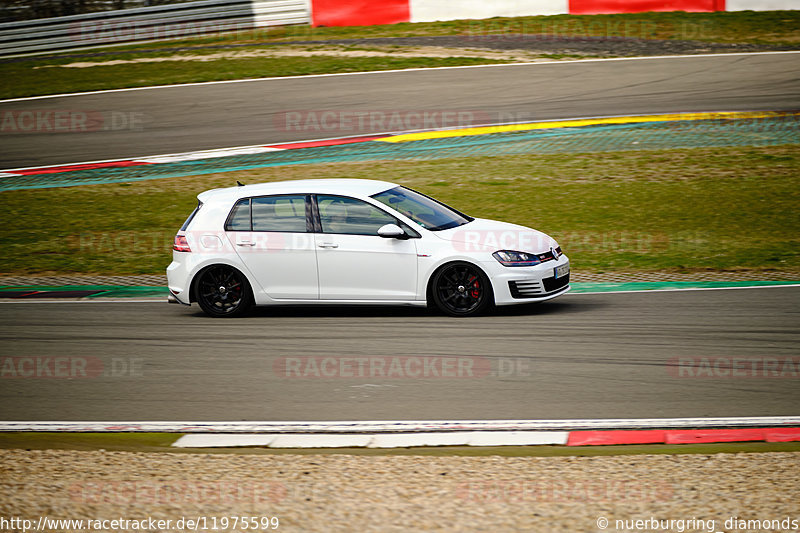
(476, 288)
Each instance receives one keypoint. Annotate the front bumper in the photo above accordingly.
(515, 285)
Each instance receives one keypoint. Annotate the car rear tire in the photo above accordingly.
(461, 289)
(221, 291)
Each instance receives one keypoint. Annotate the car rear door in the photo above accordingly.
(273, 237)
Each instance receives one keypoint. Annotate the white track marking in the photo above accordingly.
(317, 441)
(205, 154)
(253, 148)
(224, 440)
(375, 440)
(278, 78)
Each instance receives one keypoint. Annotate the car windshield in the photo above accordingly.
(425, 211)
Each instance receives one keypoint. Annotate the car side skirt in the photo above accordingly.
(416, 303)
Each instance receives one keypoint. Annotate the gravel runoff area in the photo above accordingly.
(554, 44)
(407, 493)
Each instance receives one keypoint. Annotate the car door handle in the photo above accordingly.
(328, 245)
(245, 244)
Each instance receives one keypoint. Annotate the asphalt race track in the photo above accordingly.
(185, 118)
(621, 355)
(580, 356)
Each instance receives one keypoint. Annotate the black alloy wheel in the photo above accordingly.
(223, 291)
(461, 289)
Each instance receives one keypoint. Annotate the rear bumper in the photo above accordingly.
(178, 283)
(173, 299)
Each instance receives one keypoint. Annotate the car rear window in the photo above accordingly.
(189, 220)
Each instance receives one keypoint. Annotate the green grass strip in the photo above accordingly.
(108, 291)
(686, 210)
(586, 287)
(111, 291)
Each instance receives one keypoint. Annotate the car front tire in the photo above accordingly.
(461, 289)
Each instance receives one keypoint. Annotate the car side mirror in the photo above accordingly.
(392, 231)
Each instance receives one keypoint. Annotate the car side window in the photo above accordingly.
(279, 213)
(339, 214)
(239, 219)
(285, 213)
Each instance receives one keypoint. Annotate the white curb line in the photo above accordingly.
(377, 440)
(390, 433)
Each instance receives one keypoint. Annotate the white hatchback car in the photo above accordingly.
(349, 241)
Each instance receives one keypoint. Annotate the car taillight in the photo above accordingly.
(181, 244)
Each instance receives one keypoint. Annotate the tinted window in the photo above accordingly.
(240, 216)
(189, 220)
(427, 212)
(348, 215)
(279, 213)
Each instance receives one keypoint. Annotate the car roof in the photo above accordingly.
(348, 187)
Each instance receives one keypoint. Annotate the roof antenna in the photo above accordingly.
(239, 183)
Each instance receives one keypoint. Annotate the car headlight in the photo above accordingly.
(511, 258)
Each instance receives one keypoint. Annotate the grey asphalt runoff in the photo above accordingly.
(184, 118)
(579, 356)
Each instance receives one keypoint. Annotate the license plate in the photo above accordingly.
(561, 271)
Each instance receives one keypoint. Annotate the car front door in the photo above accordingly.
(272, 236)
(354, 262)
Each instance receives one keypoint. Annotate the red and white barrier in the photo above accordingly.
(432, 10)
(368, 13)
(358, 12)
(597, 7)
(762, 5)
